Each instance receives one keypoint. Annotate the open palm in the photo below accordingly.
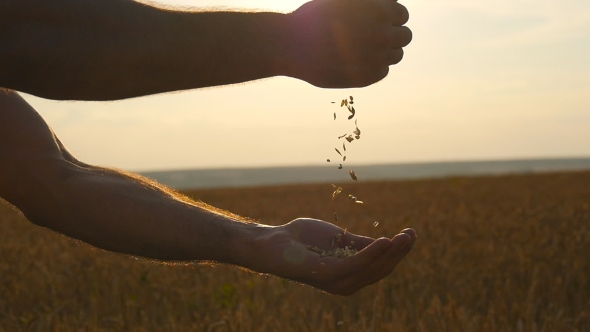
(285, 253)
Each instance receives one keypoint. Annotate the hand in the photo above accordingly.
(347, 43)
(284, 252)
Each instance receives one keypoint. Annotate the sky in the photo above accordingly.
(481, 80)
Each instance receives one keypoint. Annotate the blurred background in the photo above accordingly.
(486, 87)
(486, 80)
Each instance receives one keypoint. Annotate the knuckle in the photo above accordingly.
(399, 36)
(384, 73)
(402, 14)
(407, 35)
(398, 55)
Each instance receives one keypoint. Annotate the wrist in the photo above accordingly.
(283, 33)
(245, 244)
(289, 46)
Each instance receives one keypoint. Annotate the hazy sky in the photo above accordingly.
(481, 80)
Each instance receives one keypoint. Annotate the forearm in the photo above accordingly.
(127, 214)
(109, 209)
(114, 49)
(121, 214)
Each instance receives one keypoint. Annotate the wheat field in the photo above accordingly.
(505, 253)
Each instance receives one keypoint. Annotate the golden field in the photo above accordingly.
(506, 253)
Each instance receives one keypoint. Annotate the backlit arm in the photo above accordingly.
(116, 49)
(126, 213)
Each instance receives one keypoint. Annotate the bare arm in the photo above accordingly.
(125, 213)
(115, 49)
(111, 209)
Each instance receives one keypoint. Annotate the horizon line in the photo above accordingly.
(455, 161)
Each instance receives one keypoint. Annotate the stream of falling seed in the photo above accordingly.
(348, 138)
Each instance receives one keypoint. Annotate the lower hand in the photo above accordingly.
(284, 252)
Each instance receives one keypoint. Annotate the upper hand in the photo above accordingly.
(347, 43)
(285, 254)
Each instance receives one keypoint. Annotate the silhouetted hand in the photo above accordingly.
(284, 253)
(347, 43)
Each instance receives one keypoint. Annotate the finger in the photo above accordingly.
(391, 257)
(357, 242)
(396, 255)
(394, 56)
(412, 233)
(381, 267)
(399, 14)
(342, 270)
(364, 258)
(332, 268)
(398, 36)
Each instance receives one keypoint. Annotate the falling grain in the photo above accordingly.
(336, 192)
(351, 110)
(357, 131)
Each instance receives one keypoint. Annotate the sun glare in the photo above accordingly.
(281, 6)
(270, 5)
